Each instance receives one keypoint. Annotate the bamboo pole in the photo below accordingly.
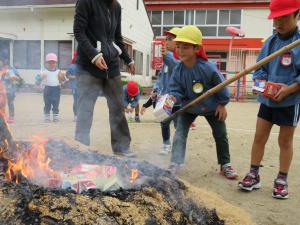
(222, 85)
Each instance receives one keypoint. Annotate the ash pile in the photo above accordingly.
(49, 182)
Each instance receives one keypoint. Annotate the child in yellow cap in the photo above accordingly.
(193, 76)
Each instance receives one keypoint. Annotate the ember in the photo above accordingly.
(148, 194)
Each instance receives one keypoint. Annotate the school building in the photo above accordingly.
(32, 28)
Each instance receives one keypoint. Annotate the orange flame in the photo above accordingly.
(134, 175)
(33, 164)
(2, 97)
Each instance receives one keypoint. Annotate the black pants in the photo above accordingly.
(51, 99)
(165, 127)
(88, 88)
(219, 132)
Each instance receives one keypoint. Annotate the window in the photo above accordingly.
(179, 17)
(211, 17)
(27, 54)
(168, 18)
(224, 17)
(156, 17)
(138, 58)
(235, 16)
(157, 31)
(213, 22)
(123, 66)
(200, 17)
(63, 50)
(4, 49)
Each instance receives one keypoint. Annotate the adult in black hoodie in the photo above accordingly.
(97, 29)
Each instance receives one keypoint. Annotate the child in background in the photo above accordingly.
(71, 75)
(51, 78)
(193, 76)
(161, 86)
(12, 80)
(131, 96)
(283, 108)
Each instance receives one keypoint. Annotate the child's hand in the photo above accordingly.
(172, 98)
(282, 93)
(43, 76)
(143, 110)
(221, 112)
(131, 110)
(62, 76)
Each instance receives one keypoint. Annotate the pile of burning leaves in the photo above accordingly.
(50, 182)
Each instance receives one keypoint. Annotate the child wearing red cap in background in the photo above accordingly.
(131, 97)
(283, 108)
(51, 78)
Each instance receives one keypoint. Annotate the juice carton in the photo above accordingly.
(259, 86)
(271, 89)
(163, 108)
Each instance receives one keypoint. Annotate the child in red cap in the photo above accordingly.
(131, 97)
(283, 108)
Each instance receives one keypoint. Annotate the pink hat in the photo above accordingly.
(51, 57)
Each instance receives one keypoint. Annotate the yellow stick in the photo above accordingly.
(222, 85)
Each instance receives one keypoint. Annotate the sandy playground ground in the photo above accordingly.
(201, 168)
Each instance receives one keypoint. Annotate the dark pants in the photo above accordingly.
(75, 100)
(51, 99)
(10, 102)
(184, 122)
(88, 91)
(165, 127)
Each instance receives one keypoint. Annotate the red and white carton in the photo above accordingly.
(272, 89)
(83, 185)
(163, 108)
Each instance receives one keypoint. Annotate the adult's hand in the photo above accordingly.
(131, 68)
(101, 64)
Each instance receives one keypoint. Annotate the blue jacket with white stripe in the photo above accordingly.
(283, 69)
(204, 74)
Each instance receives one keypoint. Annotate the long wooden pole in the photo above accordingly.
(222, 85)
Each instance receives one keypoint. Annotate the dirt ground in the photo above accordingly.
(201, 168)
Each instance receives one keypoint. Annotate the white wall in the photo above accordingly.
(136, 26)
(255, 23)
(57, 24)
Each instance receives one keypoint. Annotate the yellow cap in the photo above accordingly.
(189, 34)
(174, 31)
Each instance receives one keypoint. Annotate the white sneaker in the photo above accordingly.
(165, 149)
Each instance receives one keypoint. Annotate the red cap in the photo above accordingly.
(280, 8)
(132, 88)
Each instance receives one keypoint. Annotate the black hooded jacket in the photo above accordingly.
(97, 28)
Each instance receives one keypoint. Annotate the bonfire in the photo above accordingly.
(50, 182)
